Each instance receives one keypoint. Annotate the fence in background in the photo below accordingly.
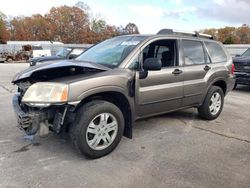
(233, 49)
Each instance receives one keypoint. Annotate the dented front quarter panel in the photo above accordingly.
(115, 80)
(97, 79)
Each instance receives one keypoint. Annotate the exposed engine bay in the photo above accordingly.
(34, 119)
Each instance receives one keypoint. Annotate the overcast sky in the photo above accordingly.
(149, 15)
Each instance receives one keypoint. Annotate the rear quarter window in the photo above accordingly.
(216, 52)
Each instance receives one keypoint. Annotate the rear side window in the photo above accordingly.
(193, 52)
(216, 52)
(246, 53)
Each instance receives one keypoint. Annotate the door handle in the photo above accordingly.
(207, 68)
(177, 71)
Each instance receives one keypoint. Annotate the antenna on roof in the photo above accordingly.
(189, 33)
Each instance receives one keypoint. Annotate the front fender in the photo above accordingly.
(101, 89)
(83, 97)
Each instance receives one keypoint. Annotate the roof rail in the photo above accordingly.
(188, 33)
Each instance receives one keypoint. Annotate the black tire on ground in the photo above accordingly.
(204, 111)
(235, 86)
(84, 116)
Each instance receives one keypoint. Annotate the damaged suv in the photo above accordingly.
(97, 97)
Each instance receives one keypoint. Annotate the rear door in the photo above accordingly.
(162, 90)
(196, 67)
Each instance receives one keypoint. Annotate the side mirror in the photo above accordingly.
(237, 55)
(152, 64)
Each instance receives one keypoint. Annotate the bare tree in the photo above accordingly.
(131, 28)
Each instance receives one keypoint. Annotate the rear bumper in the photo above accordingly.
(242, 78)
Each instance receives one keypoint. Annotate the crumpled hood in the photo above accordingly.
(53, 66)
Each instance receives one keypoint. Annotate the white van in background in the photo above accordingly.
(38, 51)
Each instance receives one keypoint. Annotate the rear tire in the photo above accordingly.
(98, 129)
(213, 104)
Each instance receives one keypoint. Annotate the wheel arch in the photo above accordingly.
(119, 99)
(220, 82)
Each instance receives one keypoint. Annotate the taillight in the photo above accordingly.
(232, 69)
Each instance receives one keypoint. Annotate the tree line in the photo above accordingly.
(74, 24)
(68, 24)
(231, 35)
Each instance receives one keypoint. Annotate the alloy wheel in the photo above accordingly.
(215, 103)
(101, 131)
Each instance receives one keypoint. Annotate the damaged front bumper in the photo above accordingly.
(33, 120)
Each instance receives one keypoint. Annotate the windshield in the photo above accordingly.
(63, 52)
(246, 53)
(111, 52)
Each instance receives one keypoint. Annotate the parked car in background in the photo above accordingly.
(38, 51)
(20, 55)
(242, 68)
(97, 97)
(2, 57)
(64, 53)
(25, 53)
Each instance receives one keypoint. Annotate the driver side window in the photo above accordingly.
(163, 50)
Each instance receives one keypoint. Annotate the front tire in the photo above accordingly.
(213, 104)
(98, 129)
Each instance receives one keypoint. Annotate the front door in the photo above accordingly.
(161, 91)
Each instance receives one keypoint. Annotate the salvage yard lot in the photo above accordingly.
(172, 150)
